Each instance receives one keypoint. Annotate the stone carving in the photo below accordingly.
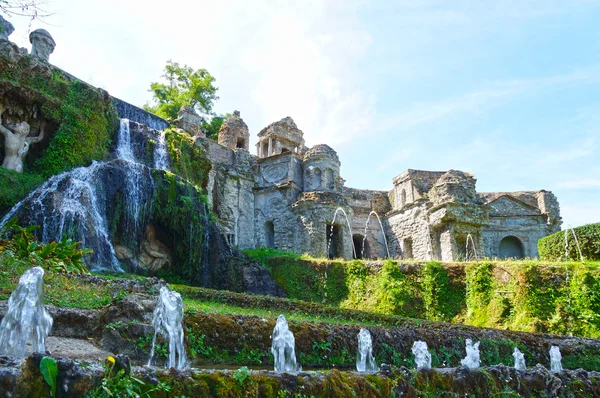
(42, 44)
(275, 173)
(17, 143)
(234, 133)
(153, 254)
(189, 121)
(6, 28)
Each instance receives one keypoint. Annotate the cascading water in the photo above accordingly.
(555, 359)
(168, 321)
(519, 360)
(472, 360)
(365, 362)
(75, 203)
(26, 316)
(161, 156)
(339, 209)
(68, 204)
(283, 347)
(422, 355)
(387, 249)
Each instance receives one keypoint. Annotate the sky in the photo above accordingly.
(508, 90)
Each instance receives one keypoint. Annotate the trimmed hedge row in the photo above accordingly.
(552, 247)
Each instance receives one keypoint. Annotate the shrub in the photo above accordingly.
(552, 247)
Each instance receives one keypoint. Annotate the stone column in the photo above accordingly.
(270, 147)
(42, 44)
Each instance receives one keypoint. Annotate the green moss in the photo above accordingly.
(85, 117)
(189, 161)
(552, 247)
(20, 185)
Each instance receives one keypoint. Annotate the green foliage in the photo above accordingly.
(180, 209)
(397, 292)
(49, 370)
(211, 129)
(118, 383)
(441, 298)
(20, 185)
(552, 247)
(84, 116)
(189, 161)
(183, 86)
(63, 256)
(242, 375)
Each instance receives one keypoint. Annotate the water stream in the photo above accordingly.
(283, 347)
(168, 322)
(365, 362)
(387, 249)
(472, 360)
(519, 359)
(26, 318)
(555, 359)
(339, 209)
(422, 355)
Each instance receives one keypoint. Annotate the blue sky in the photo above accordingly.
(506, 89)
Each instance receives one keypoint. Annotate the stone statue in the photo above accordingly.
(6, 28)
(17, 142)
(42, 44)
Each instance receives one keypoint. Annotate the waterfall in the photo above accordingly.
(26, 316)
(283, 347)
(365, 362)
(77, 203)
(168, 321)
(161, 156)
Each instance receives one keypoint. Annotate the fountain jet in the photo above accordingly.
(26, 316)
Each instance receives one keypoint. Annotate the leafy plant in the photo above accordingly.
(241, 374)
(118, 383)
(63, 256)
(49, 370)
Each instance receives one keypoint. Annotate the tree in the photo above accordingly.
(24, 8)
(211, 129)
(184, 86)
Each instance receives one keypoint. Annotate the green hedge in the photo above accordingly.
(552, 247)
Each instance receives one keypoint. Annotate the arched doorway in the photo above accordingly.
(510, 247)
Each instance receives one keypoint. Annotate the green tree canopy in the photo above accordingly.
(184, 86)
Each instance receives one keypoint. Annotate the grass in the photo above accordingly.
(213, 307)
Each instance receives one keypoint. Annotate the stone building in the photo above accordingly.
(291, 197)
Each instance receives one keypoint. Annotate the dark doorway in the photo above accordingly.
(407, 251)
(358, 239)
(510, 247)
(241, 143)
(334, 240)
(269, 234)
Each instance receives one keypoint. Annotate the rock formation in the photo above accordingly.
(42, 44)
(189, 121)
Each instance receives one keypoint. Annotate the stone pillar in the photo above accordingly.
(42, 44)
(6, 28)
(270, 147)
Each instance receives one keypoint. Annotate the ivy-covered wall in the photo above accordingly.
(81, 120)
(521, 295)
(552, 247)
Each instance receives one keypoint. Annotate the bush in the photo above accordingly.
(552, 247)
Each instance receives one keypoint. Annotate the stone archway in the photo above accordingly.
(511, 247)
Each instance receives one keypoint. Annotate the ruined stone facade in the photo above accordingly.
(291, 197)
